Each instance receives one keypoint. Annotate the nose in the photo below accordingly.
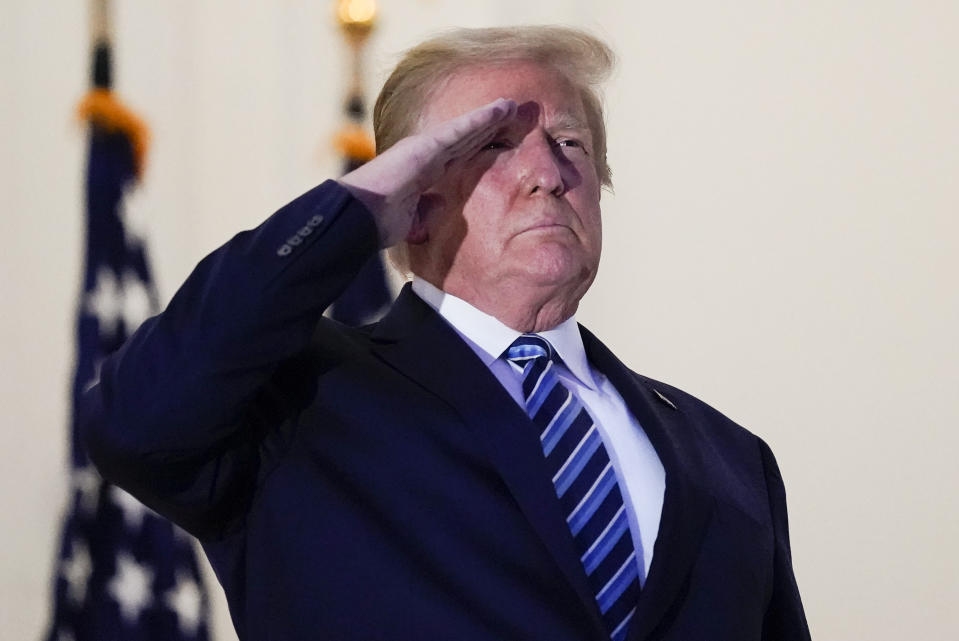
(540, 165)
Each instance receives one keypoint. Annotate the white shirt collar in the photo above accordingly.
(493, 337)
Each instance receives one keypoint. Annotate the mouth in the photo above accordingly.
(546, 226)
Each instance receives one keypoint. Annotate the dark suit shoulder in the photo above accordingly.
(669, 404)
(724, 444)
(693, 406)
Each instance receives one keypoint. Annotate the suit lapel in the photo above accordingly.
(418, 343)
(687, 505)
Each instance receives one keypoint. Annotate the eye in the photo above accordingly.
(571, 143)
(496, 145)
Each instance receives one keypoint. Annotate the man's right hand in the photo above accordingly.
(391, 184)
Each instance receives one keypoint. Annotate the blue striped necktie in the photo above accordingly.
(585, 482)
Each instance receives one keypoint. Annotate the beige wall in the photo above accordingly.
(782, 241)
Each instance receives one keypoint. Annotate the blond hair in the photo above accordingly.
(581, 58)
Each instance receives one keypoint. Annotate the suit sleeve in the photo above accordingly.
(785, 619)
(178, 415)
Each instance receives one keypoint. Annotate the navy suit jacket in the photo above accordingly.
(379, 483)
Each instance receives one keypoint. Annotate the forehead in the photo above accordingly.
(470, 87)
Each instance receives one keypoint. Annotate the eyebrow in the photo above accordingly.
(567, 120)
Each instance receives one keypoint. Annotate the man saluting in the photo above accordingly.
(476, 465)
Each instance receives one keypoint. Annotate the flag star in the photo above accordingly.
(87, 482)
(133, 510)
(134, 216)
(187, 601)
(130, 586)
(97, 367)
(105, 302)
(76, 571)
(136, 302)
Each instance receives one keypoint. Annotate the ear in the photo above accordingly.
(426, 207)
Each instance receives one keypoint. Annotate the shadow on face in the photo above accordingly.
(442, 204)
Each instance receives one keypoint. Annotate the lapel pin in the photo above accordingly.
(663, 398)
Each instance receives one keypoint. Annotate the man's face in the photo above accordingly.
(520, 214)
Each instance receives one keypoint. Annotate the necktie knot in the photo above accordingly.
(529, 348)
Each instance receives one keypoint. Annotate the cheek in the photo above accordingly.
(587, 202)
(492, 184)
(488, 201)
(598, 233)
(593, 231)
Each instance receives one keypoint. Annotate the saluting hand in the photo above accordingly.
(391, 184)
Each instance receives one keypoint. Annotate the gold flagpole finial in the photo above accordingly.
(356, 17)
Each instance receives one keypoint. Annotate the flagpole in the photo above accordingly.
(101, 38)
(356, 19)
(365, 299)
(100, 26)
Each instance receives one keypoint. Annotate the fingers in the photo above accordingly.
(390, 185)
(472, 129)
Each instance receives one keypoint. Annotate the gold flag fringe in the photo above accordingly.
(101, 108)
(354, 142)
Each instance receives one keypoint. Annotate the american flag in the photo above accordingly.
(122, 571)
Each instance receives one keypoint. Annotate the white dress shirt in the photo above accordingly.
(642, 479)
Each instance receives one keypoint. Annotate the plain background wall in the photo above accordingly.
(782, 241)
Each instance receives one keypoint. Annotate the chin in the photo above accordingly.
(556, 266)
